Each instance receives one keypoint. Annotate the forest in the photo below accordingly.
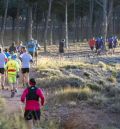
(49, 21)
(65, 53)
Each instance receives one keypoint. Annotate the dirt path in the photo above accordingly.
(87, 118)
(14, 104)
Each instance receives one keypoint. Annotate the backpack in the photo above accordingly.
(31, 44)
(32, 94)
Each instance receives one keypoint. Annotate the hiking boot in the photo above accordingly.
(12, 94)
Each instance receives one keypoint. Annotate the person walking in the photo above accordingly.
(7, 53)
(18, 74)
(3, 60)
(12, 48)
(31, 47)
(92, 43)
(12, 68)
(110, 45)
(61, 46)
(25, 58)
(31, 96)
(115, 43)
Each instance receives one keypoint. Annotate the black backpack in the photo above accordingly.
(32, 95)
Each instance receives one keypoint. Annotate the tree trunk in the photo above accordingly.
(78, 29)
(91, 18)
(81, 26)
(37, 23)
(114, 30)
(60, 34)
(110, 16)
(46, 26)
(37, 28)
(105, 19)
(18, 22)
(74, 38)
(4, 23)
(66, 24)
(13, 28)
(51, 32)
(29, 23)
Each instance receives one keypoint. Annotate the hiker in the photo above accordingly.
(6, 52)
(19, 47)
(18, 74)
(31, 97)
(12, 48)
(115, 43)
(12, 68)
(110, 45)
(61, 46)
(101, 43)
(97, 45)
(36, 51)
(92, 43)
(3, 60)
(26, 59)
(31, 47)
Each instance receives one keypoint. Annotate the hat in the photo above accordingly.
(32, 82)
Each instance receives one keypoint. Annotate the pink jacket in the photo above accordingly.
(33, 104)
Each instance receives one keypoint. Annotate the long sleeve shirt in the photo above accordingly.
(33, 104)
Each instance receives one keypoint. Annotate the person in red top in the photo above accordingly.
(31, 96)
(92, 43)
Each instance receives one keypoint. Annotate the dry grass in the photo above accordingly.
(112, 79)
(72, 94)
(66, 78)
(2, 103)
(57, 63)
(94, 87)
(16, 121)
(98, 100)
(102, 65)
(60, 81)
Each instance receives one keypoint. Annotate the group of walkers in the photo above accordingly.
(15, 59)
(15, 64)
(112, 43)
(11, 63)
(100, 44)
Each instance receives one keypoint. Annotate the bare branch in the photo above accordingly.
(98, 2)
(60, 3)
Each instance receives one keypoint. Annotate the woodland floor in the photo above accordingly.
(72, 115)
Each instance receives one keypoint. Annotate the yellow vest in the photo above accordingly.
(12, 67)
